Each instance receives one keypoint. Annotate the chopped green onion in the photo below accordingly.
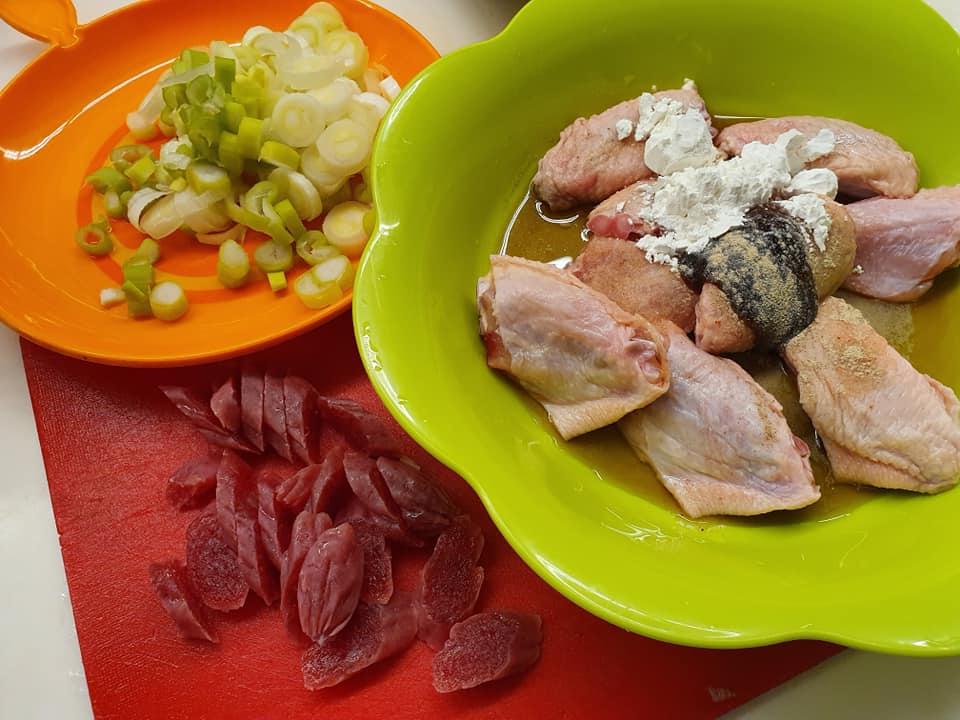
(345, 146)
(198, 89)
(250, 137)
(138, 301)
(298, 119)
(231, 115)
(370, 221)
(161, 218)
(291, 220)
(106, 179)
(114, 205)
(139, 272)
(327, 13)
(368, 109)
(178, 184)
(196, 58)
(203, 177)
(96, 238)
(124, 156)
(309, 72)
(362, 193)
(242, 216)
(349, 47)
(299, 190)
(313, 247)
(111, 296)
(316, 295)
(337, 269)
(233, 265)
(141, 170)
(228, 153)
(273, 257)
(168, 301)
(277, 280)
(202, 212)
(235, 233)
(343, 227)
(316, 169)
(149, 250)
(277, 230)
(277, 153)
(224, 70)
(310, 28)
(263, 191)
(174, 95)
(334, 97)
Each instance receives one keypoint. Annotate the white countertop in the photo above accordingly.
(41, 673)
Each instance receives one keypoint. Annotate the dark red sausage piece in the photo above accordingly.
(234, 484)
(362, 429)
(196, 407)
(275, 522)
(353, 511)
(373, 634)
(212, 565)
(330, 582)
(487, 646)
(330, 487)
(300, 406)
(274, 415)
(251, 404)
(306, 528)
(295, 490)
(252, 556)
(193, 484)
(450, 580)
(377, 563)
(369, 486)
(169, 580)
(426, 508)
(225, 405)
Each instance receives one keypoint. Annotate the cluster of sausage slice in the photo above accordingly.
(317, 538)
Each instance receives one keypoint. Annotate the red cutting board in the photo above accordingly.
(110, 439)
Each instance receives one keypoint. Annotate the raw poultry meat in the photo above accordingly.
(902, 245)
(620, 270)
(718, 441)
(619, 215)
(589, 163)
(866, 162)
(882, 422)
(588, 361)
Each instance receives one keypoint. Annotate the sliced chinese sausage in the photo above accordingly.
(225, 404)
(274, 521)
(294, 491)
(196, 408)
(274, 415)
(300, 407)
(377, 562)
(330, 487)
(331, 579)
(369, 486)
(212, 565)
(450, 581)
(169, 580)
(252, 556)
(362, 429)
(234, 484)
(251, 404)
(487, 646)
(193, 484)
(425, 507)
(306, 528)
(374, 633)
(354, 511)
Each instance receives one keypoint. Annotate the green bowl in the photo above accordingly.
(455, 158)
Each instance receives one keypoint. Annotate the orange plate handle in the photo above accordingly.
(50, 21)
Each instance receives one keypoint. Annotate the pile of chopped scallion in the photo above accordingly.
(266, 135)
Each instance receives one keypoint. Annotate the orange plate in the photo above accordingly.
(61, 115)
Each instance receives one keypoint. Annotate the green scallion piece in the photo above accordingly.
(313, 247)
(198, 89)
(124, 156)
(149, 250)
(233, 265)
(178, 184)
(174, 95)
(273, 257)
(139, 271)
(204, 177)
(196, 57)
(114, 206)
(250, 137)
(291, 220)
(242, 216)
(96, 238)
(138, 301)
(277, 153)
(168, 301)
(277, 280)
(228, 153)
(224, 71)
(316, 294)
(231, 115)
(141, 170)
(108, 178)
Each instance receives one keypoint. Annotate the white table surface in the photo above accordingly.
(41, 673)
